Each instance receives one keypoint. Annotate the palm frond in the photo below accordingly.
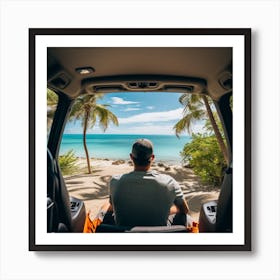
(52, 98)
(183, 125)
(187, 98)
(87, 103)
(104, 115)
(198, 114)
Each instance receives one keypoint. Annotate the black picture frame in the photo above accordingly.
(33, 165)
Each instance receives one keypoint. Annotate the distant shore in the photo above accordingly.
(81, 162)
(93, 188)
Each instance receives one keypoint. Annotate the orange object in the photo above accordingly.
(194, 228)
(90, 226)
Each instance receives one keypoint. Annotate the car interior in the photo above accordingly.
(75, 71)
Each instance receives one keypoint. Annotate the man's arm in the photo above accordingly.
(182, 205)
(184, 208)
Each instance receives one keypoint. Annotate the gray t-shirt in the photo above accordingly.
(142, 198)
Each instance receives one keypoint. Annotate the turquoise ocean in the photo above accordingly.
(118, 146)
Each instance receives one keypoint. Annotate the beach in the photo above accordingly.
(93, 188)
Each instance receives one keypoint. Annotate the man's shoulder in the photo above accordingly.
(117, 177)
(162, 177)
(152, 173)
(159, 174)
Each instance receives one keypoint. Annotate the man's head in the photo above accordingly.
(142, 152)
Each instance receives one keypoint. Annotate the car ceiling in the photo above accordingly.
(211, 67)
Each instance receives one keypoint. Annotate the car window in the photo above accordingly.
(185, 143)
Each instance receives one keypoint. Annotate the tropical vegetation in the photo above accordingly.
(204, 156)
(52, 100)
(68, 162)
(88, 111)
(198, 107)
(207, 153)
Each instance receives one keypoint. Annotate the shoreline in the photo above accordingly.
(94, 191)
(100, 161)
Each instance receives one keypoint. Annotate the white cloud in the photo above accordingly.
(150, 107)
(120, 101)
(137, 129)
(131, 109)
(152, 129)
(154, 117)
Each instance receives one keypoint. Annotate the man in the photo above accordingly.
(145, 197)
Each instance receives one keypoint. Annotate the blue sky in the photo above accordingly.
(139, 113)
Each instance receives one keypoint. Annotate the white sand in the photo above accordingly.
(93, 188)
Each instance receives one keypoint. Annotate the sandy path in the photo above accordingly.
(93, 188)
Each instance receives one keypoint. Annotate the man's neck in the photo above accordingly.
(141, 168)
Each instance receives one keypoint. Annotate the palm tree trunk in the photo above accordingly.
(216, 130)
(84, 140)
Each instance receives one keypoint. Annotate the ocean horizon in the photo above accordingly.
(167, 148)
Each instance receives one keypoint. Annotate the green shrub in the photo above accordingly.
(67, 162)
(205, 158)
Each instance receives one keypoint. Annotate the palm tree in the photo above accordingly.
(88, 111)
(52, 100)
(195, 110)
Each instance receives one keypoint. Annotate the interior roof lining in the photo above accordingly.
(206, 63)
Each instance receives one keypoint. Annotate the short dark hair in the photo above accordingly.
(142, 151)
